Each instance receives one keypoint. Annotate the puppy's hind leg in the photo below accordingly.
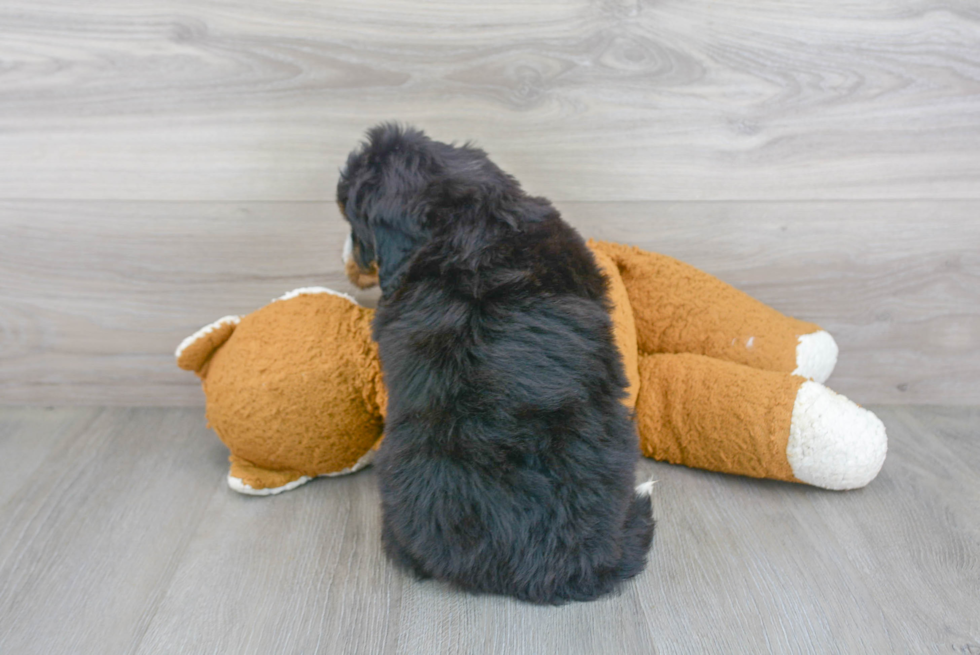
(635, 541)
(400, 556)
(637, 533)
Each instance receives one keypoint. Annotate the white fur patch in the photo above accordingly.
(302, 291)
(237, 484)
(645, 488)
(207, 329)
(816, 356)
(833, 443)
(348, 249)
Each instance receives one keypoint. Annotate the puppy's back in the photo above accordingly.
(509, 458)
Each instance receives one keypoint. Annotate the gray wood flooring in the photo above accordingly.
(119, 536)
(167, 162)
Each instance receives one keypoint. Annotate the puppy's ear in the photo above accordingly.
(392, 249)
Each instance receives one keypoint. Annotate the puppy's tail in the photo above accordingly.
(637, 533)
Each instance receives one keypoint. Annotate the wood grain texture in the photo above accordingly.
(95, 296)
(91, 538)
(130, 543)
(28, 436)
(582, 100)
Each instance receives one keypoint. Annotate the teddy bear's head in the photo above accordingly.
(293, 388)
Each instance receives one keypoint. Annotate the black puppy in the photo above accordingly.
(508, 459)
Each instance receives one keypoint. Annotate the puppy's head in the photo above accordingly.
(378, 194)
(399, 188)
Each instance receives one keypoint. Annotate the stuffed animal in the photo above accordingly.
(718, 381)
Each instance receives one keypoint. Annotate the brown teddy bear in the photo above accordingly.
(718, 381)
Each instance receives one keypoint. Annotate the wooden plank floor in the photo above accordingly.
(120, 536)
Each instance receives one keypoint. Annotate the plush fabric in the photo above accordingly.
(680, 309)
(295, 388)
(711, 414)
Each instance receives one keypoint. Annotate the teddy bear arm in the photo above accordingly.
(678, 308)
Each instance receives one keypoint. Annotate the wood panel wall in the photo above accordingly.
(166, 163)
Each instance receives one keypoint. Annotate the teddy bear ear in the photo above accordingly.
(194, 351)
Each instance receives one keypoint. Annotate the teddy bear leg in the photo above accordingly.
(678, 308)
(247, 478)
(721, 416)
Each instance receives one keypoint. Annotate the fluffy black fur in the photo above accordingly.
(508, 460)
